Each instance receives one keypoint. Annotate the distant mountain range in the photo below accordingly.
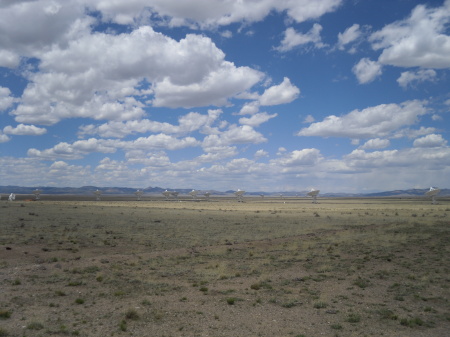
(89, 190)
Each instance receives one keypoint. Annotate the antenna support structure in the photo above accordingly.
(433, 192)
(313, 193)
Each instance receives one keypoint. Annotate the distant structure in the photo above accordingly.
(262, 196)
(37, 194)
(97, 195)
(239, 195)
(12, 197)
(433, 192)
(313, 193)
(139, 194)
(207, 195)
(193, 194)
(167, 194)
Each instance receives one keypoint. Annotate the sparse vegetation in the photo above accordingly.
(357, 267)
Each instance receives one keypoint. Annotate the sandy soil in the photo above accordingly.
(265, 267)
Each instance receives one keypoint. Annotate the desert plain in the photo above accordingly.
(73, 266)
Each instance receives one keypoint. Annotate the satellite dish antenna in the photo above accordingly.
(239, 195)
(12, 197)
(166, 194)
(262, 196)
(207, 195)
(281, 196)
(313, 193)
(175, 194)
(433, 192)
(139, 194)
(193, 194)
(37, 194)
(97, 195)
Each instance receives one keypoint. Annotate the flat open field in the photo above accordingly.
(264, 267)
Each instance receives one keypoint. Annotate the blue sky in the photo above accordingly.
(272, 95)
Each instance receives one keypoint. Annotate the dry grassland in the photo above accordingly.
(265, 267)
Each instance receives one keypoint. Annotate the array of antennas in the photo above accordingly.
(433, 192)
(194, 194)
(313, 193)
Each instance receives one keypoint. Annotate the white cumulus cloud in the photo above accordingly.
(283, 93)
(293, 39)
(367, 70)
(376, 143)
(24, 130)
(373, 122)
(432, 140)
(408, 78)
(417, 41)
(351, 34)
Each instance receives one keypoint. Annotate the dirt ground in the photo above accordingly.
(263, 267)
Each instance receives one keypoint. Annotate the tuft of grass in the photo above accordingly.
(123, 325)
(413, 322)
(3, 333)
(146, 302)
(320, 305)
(35, 326)
(387, 314)
(132, 314)
(5, 314)
(336, 326)
(231, 300)
(79, 301)
(353, 318)
(362, 283)
(255, 286)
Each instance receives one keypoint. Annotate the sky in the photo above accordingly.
(270, 95)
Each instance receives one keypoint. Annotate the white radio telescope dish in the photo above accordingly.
(139, 194)
(12, 197)
(169, 194)
(193, 194)
(207, 195)
(313, 193)
(239, 195)
(433, 192)
(37, 194)
(97, 195)
(166, 194)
